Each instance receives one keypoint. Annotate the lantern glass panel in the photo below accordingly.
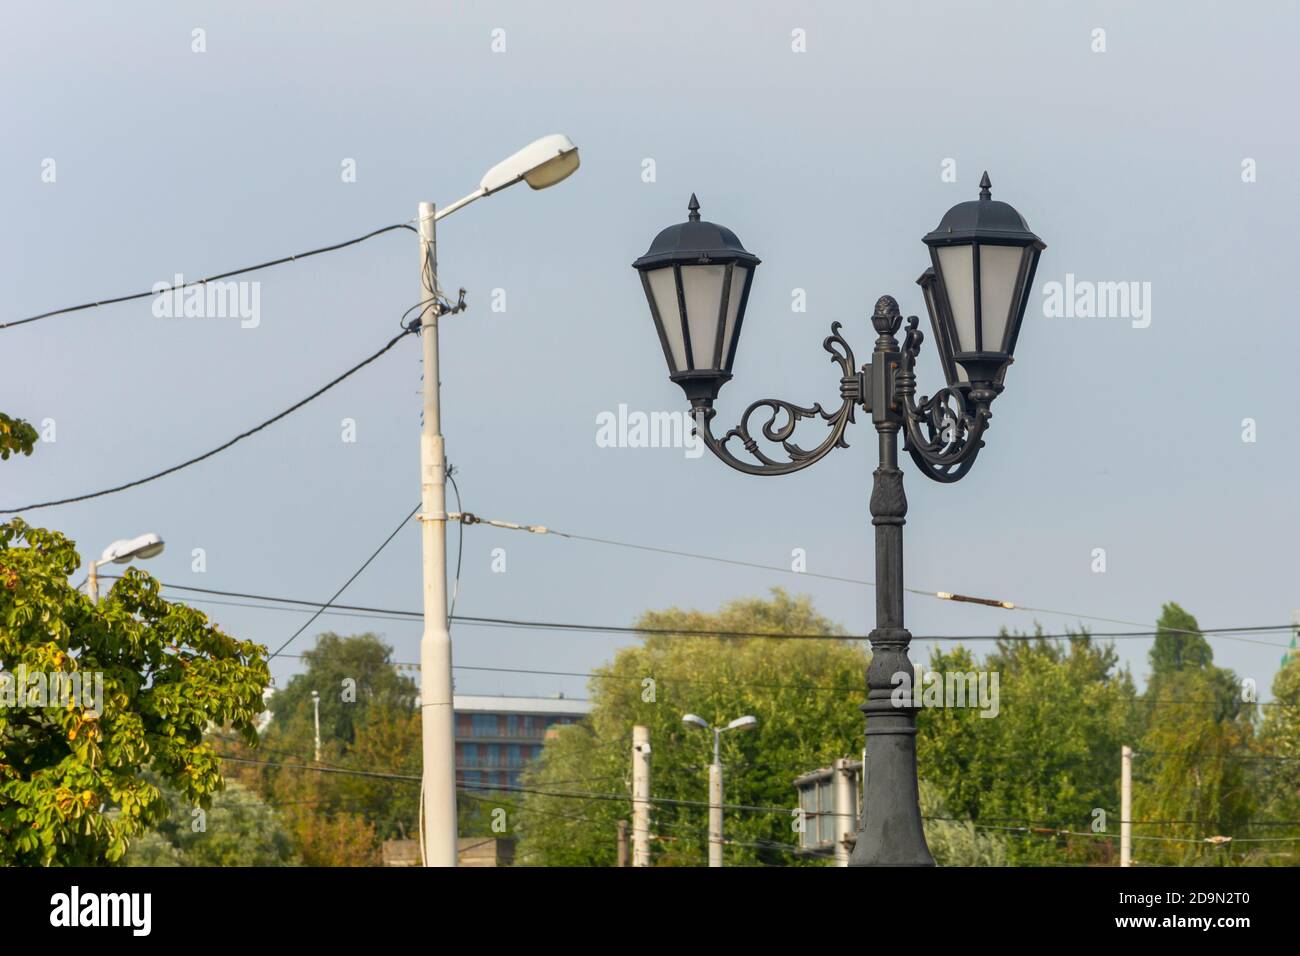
(739, 274)
(957, 267)
(702, 292)
(663, 286)
(999, 270)
(952, 371)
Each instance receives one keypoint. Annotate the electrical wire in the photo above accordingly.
(1029, 827)
(213, 278)
(220, 448)
(471, 620)
(346, 583)
(939, 595)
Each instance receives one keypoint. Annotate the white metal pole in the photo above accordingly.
(92, 582)
(845, 824)
(438, 720)
(640, 795)
(1126, 806)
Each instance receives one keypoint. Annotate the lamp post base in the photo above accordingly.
(891, 833)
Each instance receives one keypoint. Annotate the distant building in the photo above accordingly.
(496, 737)
(830, 804)
(470, 851)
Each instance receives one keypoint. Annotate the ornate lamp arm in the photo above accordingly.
(852, 390)
(943, 433)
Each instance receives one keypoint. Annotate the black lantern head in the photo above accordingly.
(984, 258)
(696, 277)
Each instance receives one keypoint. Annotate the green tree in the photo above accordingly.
(1189, 766)
(239, 830)
(1049, 758)
(73, 788)
(1189, 770)
(1278, 746)
(352, 674)
(17, 437)
(805, 694)
(387, 739)
(1179, 648)
(369, 722)
(957, 842)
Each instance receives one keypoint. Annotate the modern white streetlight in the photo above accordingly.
(748, 722)
(542, 163)
(123, 551)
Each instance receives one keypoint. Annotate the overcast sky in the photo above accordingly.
(1113, 433)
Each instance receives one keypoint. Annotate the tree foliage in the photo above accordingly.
(240, 829)
(17, 437)
(805, 694)
(1049, 759)
(1278, 746)
(369, 723)
(73, 788)
(352, 674)
(1193, 767)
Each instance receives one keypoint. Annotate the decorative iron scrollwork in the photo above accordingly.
(780, 431)
(944, 432)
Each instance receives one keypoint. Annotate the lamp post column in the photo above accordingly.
(891, 833)
(437, 718)
(715, 802)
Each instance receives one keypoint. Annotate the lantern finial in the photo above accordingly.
(694, 207)
(985, 186)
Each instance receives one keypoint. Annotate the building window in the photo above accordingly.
(485, 725)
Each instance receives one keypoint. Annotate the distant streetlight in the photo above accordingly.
(748, 722)
(123, 551)
(315, 703)
(697, 277)
(541, 163)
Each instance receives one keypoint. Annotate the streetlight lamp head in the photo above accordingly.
(983, 258)
(696, 721)
(696, 277)
(541, 163)
(128, 550)
(748, 722)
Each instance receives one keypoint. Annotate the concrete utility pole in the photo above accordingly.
(1126, 806)
(315, 703)
(92, 582)
(640, 795)
(846, 813)
(437, 719)
(715, 807)
(622, 843)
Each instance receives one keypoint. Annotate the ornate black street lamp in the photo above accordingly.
(697, 277)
